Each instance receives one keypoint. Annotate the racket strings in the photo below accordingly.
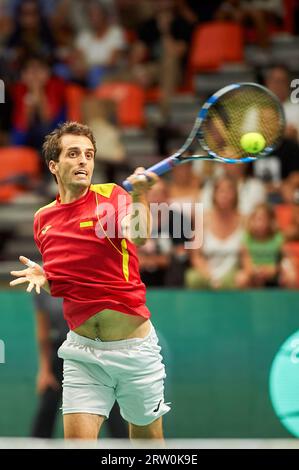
(238, 112)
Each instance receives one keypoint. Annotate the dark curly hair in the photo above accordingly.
(52, 144)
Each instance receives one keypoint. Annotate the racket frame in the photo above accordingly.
(178, 157)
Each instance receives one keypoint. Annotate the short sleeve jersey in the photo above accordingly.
(86, 259)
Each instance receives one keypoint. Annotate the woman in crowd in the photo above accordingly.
(215, 265)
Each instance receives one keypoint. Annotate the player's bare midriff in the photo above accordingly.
(110, 325)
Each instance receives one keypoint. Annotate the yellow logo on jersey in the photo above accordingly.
(88, 223)
(44, 230)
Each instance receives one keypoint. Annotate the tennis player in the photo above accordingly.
(111, 351)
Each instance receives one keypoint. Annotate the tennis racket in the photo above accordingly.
(235, 111)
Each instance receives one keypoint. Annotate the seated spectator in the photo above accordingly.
(6, 24)
(31, 36)
(38, 103)
(262, 251)
(159, 54)
(260, 15)
(195, 11)
(251, 191)
(163, 259)
(279, 165)
(215, 265)
(111, 154)
(102, 45)
(278, 80)
(154, 255)
(288, 205)
(184, 185)
(292, 231)
(5, 118)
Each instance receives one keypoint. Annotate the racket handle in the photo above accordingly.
(159, 169)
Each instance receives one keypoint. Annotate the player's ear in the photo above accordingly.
(52, 167)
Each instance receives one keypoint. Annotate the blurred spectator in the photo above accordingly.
(279, 165)
(287, 213)
(102, 45)
(154, 255)
(257, 14)
(31, 36)
(215, 265)
(292, 230)
(261, 259)
(278, 80)
(184, 185)
(283, 210)
(195, 11)
(251, 191)
(163, 258)
(38, 103)
(47, 6)
(161, 50)
(75, 12)
(111, 153)
(285, 160)
(5, 118)
(5, 24)
(132, 13)
(289, 188)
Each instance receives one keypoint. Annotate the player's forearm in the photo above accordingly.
(140, 220)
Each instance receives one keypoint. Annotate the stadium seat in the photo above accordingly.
(75, 95)
(19, 169)
(215, 43)
(289, 15)
(129, 99)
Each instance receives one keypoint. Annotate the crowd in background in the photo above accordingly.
(55, 54)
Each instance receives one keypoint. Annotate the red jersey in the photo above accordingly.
(85, 259)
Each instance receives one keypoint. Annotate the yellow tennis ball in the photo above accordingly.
(253, 142)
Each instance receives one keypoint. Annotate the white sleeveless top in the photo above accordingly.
(222, 255)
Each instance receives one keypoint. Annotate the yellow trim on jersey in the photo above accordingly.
(88, 223)
(44, 207)
(125, 254)
(124, 249)
(103, 189)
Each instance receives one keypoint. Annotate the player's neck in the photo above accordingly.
(68, 195)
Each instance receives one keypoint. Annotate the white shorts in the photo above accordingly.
(96, 373)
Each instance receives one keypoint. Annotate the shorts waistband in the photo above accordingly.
(110, 345)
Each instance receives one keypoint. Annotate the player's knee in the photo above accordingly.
(153, 430)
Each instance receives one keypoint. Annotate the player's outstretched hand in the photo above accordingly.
(141, 180)
(33, 274)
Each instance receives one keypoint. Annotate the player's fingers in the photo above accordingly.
(139, 171)
(18, 273)
(152, 177)
(143, 180)
(18, 281)
(30, 287)
(27, 261)
(37, 288)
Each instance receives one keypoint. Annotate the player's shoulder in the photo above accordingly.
(48, 206)
(107, 189)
